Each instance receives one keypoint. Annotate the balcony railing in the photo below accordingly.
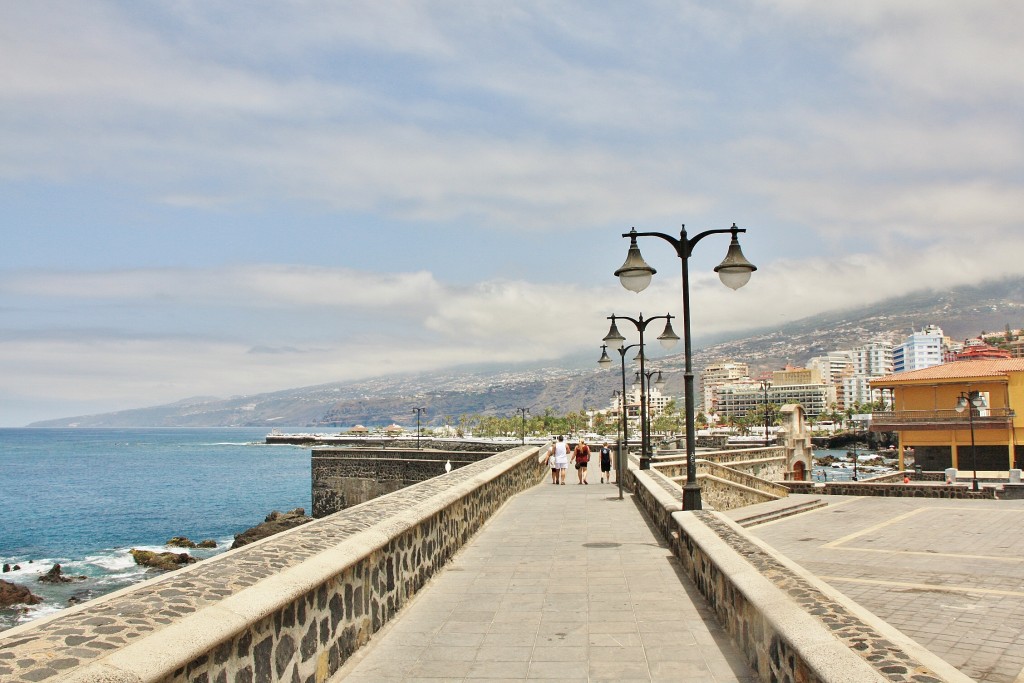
(988, 418)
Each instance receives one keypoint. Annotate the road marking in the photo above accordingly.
(927, 553)
(923, 586)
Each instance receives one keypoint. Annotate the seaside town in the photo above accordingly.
(318, 363)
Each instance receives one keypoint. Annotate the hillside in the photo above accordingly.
(960, 312)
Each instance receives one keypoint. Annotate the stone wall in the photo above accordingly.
(343, 477)
(747, 479)
(897, 490)
(789, 625)
(292, 607)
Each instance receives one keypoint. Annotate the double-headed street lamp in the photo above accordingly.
(623, 447)
(525, 412)
(418, 411)
(734, 271)
(970, 401)
(668, 339)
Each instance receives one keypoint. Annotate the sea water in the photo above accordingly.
(843, 471)
(84, 497)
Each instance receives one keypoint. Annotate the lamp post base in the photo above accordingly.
(974, 485)
(691, 496)
(645, 462)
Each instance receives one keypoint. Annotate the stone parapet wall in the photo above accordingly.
(343, 477)
(759, 473)
(725, 494)
(789, 625)
(896, 490)
(292, 607)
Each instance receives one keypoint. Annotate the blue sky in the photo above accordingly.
(213, 198)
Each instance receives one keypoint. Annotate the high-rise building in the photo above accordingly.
(919, 350)
(870, 361)
(715, 375)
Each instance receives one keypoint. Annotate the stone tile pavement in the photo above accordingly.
(565, 583)
(948, 573)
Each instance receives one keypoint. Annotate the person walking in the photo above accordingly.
(550, 455)
(561, 459)
(581, 454)
(606, 464)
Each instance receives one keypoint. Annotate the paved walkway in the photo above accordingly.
(565, 583)
(948, 573)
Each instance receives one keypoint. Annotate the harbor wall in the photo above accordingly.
(343, 477)
(292, 607)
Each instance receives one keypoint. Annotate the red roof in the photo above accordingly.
(961, 369)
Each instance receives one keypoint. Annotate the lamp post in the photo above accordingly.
(668, 339)
(734, 271)
(620, 458)
(765, 386)
(970, 401)
(418, 411)
(525, 412)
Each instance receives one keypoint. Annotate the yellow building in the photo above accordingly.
(926, 417)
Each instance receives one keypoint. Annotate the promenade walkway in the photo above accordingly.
(565, 583)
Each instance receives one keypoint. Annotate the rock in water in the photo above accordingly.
(164, 561)
(208, 543)
(56, 576)
(180, 542)
(275, 522)
(13, 594)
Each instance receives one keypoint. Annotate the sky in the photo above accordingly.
(203, 198)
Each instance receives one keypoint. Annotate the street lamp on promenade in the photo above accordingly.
(418, 411)
(765, 386)
(970, 401)
(525, 412)
(623, 447)
(668, 339)
(734, 271)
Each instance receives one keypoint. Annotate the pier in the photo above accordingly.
(490, 571)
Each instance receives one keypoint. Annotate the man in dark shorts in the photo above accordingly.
(606, 464)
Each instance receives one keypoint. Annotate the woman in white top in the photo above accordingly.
(560, 460)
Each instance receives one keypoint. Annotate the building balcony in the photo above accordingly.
(919, 420)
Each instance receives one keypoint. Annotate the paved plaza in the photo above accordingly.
(949, 574)
(565, 583)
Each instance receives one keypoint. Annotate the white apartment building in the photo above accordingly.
(656, 402)
(919, 350)
(736, 399)
(870, 361)
(715, 375)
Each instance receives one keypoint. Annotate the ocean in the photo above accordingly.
(84, 497)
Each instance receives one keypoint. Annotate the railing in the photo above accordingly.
(989, 418)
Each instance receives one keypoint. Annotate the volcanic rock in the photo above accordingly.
(275, 522)
(56, 576)
(181, 542)
(164, 561)
(13, 594)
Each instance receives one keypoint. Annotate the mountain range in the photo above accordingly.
(576, 383)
